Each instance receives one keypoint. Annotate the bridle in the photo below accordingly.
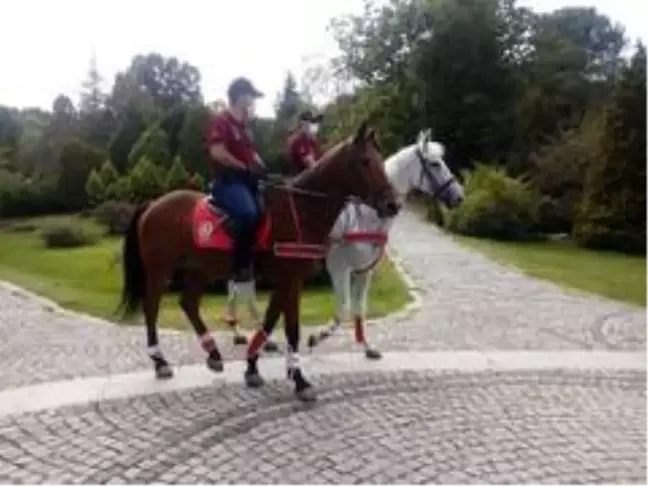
(425, 172)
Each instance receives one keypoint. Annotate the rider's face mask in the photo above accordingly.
(313, 128)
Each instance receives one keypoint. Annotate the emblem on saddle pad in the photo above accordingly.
(205, 231)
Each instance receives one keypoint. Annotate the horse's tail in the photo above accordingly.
(134, 289)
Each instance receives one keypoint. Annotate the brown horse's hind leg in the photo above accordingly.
(252, 377)
(194, 285)
(303, 389)
(151, 307)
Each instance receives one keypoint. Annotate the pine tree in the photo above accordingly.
(146, 181)
(177, 177)
(108, 173)
(153, 144)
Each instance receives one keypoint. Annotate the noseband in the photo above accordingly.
(425, 172)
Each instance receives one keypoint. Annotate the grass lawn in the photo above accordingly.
(85, 279)
(613, 275)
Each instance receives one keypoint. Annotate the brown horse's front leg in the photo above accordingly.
(276, 305)
(194, 284)
(303, 389)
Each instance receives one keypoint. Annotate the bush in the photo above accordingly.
(67, 234)
(115, 216)
(496, 206)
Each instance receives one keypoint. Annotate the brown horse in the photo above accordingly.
(180, 229)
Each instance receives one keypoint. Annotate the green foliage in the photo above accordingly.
(108, 174)
(177, 177)
(67, 234)
(559, 170)
(496, 206)
(192, 139)
(198, 183)
(153, 144)
(76, 162)
(120, 190)
(95, 188)
(613, 211)
(146, 181)
(115, 216)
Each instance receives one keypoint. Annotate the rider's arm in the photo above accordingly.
(217, 135)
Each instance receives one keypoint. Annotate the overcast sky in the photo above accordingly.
(46, 45)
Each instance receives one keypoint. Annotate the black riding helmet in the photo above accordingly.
(241, 87)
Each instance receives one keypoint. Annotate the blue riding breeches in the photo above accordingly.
(239, 200)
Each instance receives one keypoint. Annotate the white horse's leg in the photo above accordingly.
(231, 318)
(359, 291)
(340, 276)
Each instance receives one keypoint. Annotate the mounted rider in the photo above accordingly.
(235, 170)
(302, 147)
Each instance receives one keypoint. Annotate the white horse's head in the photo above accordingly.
(422, 166)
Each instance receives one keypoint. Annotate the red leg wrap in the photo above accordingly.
(259, 339)
(359, 330)
(207, 342)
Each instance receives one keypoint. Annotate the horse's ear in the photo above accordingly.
(361, 134)
(428, 134)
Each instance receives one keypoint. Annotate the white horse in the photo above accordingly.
(359, 237)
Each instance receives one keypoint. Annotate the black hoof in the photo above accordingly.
(215, 364)
(306, 395)
(240, 340)
(312, 341)
(373, 354)
(271, 347)
(253, 380)
(163, 372)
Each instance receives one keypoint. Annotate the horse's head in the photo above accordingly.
(364, 174)
(431, 174)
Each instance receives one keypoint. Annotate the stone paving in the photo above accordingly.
(556, 427)
(514, 426)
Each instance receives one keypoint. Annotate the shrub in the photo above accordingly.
(496, 206)
(115, 216)
(177, 177)
(67, 234)
(146, 181)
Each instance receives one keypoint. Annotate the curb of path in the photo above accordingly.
(84, 391)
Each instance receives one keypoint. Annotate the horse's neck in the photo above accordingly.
(398, 170)
(319, 203)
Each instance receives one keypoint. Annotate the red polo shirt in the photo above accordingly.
(226, 129)
(299, 146)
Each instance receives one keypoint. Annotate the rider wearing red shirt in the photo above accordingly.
(302, 145)
(235, 171)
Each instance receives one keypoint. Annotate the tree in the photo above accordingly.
(108, 174)
(177, 177)
(192, 150)
(96, 120)
(146, 180)
(613, 211)
(95, 188)
(10, 130)
(167, 80)
(154, 145)
(76, 161)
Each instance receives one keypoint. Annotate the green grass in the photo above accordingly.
(612, 275)
(85, 279)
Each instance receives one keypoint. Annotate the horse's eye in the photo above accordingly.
(365, 161)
